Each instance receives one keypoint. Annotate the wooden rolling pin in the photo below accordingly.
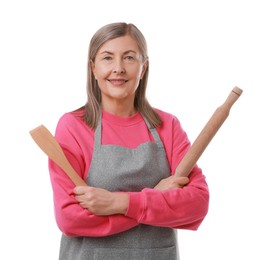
(210, 129)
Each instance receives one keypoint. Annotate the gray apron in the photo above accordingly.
(118, 168)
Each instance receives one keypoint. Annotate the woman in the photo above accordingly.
(127, 152)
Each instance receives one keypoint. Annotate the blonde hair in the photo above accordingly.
(92, 107)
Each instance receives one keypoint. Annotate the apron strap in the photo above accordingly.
(154, 133)
(98, 132)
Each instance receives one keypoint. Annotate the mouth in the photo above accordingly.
(117, 82)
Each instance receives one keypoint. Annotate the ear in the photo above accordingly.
(92, 67)
(144, 68)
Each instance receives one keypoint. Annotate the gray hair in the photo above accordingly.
(104, 34)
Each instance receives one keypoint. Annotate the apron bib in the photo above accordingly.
(118, 168)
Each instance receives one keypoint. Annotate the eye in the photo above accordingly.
(108, 58)
(129, 58)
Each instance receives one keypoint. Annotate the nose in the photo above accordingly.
(119, 67)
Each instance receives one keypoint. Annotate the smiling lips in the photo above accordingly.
(117, 82)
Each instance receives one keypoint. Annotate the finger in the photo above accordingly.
(183, 180)
(83, 205)
(79, 198)
(78, 190)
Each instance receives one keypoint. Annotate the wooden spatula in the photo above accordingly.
(46, 141)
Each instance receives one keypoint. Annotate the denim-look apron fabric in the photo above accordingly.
(117, 168)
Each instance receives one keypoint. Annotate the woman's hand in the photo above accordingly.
(172, 182)
(104, 203)
(100, 201)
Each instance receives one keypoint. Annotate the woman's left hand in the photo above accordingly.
(172, 182)
(100, 201)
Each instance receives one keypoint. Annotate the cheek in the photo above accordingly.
(99, 71)
(135, 73)
(98, 74)
(102, 72)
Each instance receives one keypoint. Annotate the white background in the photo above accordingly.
(199, 50)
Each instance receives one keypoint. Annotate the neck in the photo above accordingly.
(119, 108)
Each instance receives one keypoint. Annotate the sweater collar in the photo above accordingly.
(121, 121)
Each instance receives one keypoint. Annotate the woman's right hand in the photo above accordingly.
(172, 182)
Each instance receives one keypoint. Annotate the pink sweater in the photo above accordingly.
(177, 208)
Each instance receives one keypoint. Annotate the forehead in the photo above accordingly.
(120, 44)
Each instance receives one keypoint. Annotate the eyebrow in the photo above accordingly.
(109, 52)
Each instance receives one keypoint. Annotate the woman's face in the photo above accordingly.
(118, 68)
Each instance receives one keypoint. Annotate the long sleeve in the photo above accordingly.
(180, 208)
(71, 218)
(183, 208)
